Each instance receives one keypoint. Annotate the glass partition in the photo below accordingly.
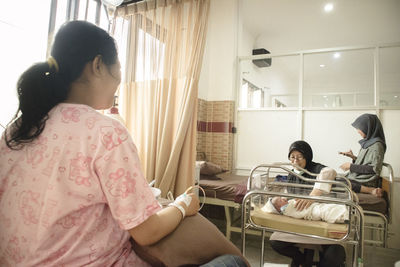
(339, 79)
(389, 76)
(275, 86)
(336, 79)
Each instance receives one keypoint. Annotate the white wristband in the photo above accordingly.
(179, 207)
(185, 198)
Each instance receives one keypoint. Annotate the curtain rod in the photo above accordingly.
(127, 2)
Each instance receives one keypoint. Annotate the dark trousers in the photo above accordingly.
(226, 261)
(331, 255)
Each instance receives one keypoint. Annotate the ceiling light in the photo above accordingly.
(328, 7)
(336, 55)
(396, 96)
(322, 66)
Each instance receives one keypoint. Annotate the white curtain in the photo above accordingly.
(158, 98)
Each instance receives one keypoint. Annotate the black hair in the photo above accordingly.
(44, 85)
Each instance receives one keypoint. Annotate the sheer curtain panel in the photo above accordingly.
(164, 48)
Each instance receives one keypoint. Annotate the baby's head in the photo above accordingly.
(279, 202)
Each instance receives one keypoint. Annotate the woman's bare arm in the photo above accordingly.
(162, 223)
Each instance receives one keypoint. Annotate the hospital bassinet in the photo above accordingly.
(262, 186)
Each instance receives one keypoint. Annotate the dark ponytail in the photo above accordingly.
(44, 85)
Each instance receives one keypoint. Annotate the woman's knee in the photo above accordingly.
(227, 261)
(278, 245)
(333, 255)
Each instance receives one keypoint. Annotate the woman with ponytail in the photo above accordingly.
(71, 189)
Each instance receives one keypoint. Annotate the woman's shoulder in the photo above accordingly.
(377, 146)
(315, 167)
(82, 120)
(78, 114)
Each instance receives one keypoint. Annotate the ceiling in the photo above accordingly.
(353, 20)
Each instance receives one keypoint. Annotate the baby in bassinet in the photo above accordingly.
(331, 213)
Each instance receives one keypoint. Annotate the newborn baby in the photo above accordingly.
(331, 213)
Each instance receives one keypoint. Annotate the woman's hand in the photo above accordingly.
(164, 221)
(378, 192)
(302, 204)
(348, 154)
(193, 207)
(345, 166)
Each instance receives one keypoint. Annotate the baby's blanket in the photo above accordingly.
(331, 213)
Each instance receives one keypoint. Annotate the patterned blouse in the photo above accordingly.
(69, 197)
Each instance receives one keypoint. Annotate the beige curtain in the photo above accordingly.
(158, 98)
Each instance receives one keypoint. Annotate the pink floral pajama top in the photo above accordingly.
(68, 198)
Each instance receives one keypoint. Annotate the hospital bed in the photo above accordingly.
(377, 211)
(226, 190)
(350, 232)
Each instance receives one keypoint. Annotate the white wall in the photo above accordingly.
(264, 137)
(218, 72)
(246, 43)
(391, 126)
(329, 132)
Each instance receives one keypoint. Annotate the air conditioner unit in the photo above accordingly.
(261, 63)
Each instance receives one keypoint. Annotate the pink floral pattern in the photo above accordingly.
(120, 184)
(90, 122)
(52, 162)
(113, 136)
(35, 154)
(70, 114)
(56, 255)
(29, 206)
(74, 191)
(80, 170)
(3, 186)
(13, 250)
(71, 220)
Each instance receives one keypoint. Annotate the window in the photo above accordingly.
(89, 10)
(389, 79)
(339, 79)
(336, 79)
(150, 51)
(23, 27)
(275, 86)
(252, 96)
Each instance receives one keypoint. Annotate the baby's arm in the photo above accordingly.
(292, 211)
(326, 174)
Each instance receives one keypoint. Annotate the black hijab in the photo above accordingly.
(304, 148)
(371, 126)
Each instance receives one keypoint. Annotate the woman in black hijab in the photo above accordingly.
(370, 157)
(301, 154)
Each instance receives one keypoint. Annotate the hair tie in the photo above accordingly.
(52, 62)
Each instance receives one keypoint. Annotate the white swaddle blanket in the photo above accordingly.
(331, 213)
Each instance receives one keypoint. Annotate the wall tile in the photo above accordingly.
(215, 139)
